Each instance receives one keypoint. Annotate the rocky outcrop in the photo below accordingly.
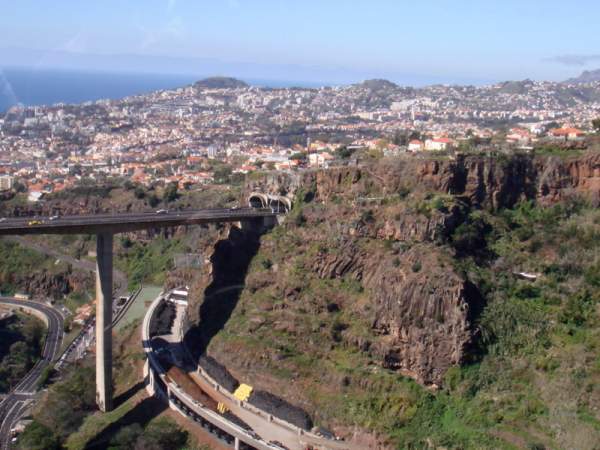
(424, 314)
(423, 310)
(45, 284)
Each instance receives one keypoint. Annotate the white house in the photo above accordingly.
(438, 144)
(415, 145)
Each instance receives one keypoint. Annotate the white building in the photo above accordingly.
(415, 145)
(6, 182)
(439, 144)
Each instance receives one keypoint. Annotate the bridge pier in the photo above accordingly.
(104, 310)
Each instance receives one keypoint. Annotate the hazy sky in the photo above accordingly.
(449, 39)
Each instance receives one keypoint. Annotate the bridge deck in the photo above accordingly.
(123, 222)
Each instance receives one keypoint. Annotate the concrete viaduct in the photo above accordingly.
(104, 226)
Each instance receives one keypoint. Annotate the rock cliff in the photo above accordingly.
(494, 182)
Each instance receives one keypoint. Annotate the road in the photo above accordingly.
(123, 222)
(16, 403)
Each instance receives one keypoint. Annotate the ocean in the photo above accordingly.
(33, 87)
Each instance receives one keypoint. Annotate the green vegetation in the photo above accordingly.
(344, 152)
(68, 403)
(16, 261)
(38, 437)
(158, 435)
(148, 262)
(170, 194)
(21, 343)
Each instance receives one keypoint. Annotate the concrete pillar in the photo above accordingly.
(104, 305)
(236, 444)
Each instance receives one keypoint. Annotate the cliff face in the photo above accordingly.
(45, 284)
(421, 311)
(482, 181)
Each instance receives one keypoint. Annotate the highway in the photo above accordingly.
(123, 222)
(16, 403)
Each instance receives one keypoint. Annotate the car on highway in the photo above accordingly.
(34, 222)
(162, 211)
(3, 219)
(54, 217)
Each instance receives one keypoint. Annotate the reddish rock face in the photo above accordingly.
(493, 182)
(50, 285)
(423, 317)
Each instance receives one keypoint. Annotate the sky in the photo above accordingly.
(329, 40)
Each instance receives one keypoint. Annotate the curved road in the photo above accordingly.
(16, 403)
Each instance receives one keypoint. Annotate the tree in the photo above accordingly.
(222, 174)
(237, 178)
(19, 187)
(69, 402)
(38, 437)
(344, 152)
(139, 192)
(171, 193)
(153, 200)
(162, 434)
(400, 138)
(415, 135)
(596, 124)
(298, 157)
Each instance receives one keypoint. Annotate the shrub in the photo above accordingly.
(403, 192)
(592, 275)
(153, 200)
(416, 267)
(367, 216)
(512, 326)
(139, 192)
(578, 310)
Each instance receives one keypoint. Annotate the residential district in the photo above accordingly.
(219, 128)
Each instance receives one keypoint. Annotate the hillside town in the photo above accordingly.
(220, 127)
